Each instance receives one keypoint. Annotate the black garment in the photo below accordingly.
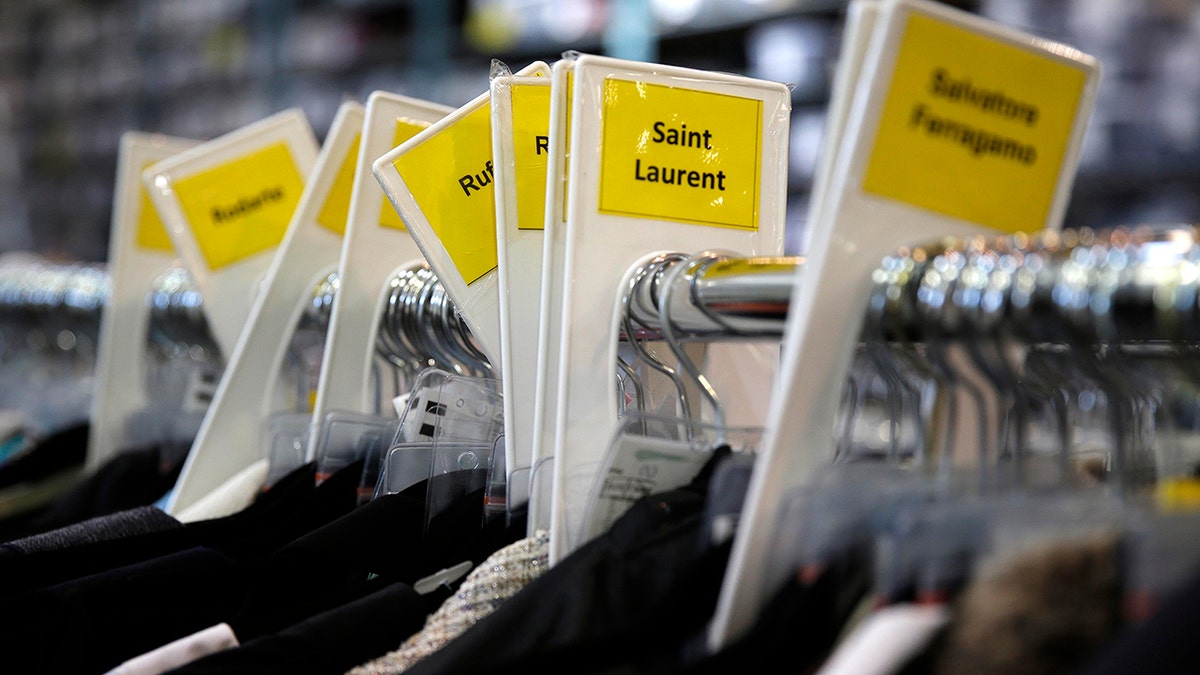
(330, 642)
(131, 478)
(1163, 644)
(60, 451)
(289, 509)
(384, 539)
(94, 624)
(636, 593)
(128, 523)
(255, 593)
(797, 629)
(58, 454)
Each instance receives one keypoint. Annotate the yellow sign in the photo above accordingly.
(450, 175)
(680, 154)
(974, 127)
(151, 232)
(531, 136)
(336, 208)
(242, 207)
(405, 129)
(1178, 494)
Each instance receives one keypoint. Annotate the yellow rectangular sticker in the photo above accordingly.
(151, 232)
(405, 129)
(336, 208)
(243, 206)
(450, 176)
(531, 140)
(680, 154)
(974, 127)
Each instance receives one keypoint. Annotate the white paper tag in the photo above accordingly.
(639, 466)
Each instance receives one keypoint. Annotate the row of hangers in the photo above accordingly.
(1111, 312)
(49, 321)
(1043, 382)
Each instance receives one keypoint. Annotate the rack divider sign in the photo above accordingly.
(234, 212)
(237, 423)
(986, 122)
(450, 175)
(531, 152)
(956, 125)
(680, 154)
(151, 231)
(405, 129)
(227, 204)
(661, 159)
(336, 207)
(442, 183)
(370, 255)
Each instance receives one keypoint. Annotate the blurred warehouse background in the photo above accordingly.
(76, 74)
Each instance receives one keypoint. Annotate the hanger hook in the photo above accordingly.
(687, 270)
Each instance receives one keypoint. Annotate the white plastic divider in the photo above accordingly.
(541, 479)
(957, 126)
(520, 150)
(227, 204)
(661, 159)
(232, 435)
(139, 250)
(375, 245)
(441, 182)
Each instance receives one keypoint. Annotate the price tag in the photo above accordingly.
(974, 128)
(639, 466)
(679, 154)
(243, 206)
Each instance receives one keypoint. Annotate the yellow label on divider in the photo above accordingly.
(405, 129)
(242, 207)
(1178, 494)
(680, 154)
(151, 232)
(450, 176)
(974, 127)
(336, 208)
(531, 136)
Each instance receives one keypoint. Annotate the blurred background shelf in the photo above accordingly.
(76, 74)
